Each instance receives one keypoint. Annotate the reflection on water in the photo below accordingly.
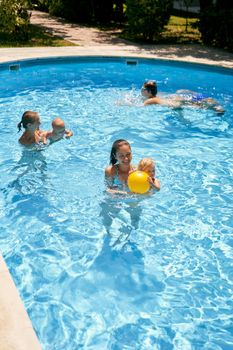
(26, 193)
(30, 171)
(120, 219)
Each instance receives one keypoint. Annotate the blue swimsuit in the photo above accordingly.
(115, 182)
(197, 97)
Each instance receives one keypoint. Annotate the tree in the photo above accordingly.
(147, 18)
(119, 12)
(14, 17)
(216, 23)
(82, 10)
(103, 10)
(187, 3)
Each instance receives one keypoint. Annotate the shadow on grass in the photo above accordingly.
(36, 36)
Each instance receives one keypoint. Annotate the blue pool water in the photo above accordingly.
(101, 273)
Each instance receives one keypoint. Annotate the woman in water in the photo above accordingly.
(116, 174)
(31, 123)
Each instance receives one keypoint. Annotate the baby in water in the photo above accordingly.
(58, 131)
(148, 166)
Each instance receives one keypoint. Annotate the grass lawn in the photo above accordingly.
(177, 32)
(37, 37)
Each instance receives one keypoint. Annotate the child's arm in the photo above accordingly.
(112, 191)
(68, 134)
(154, 183)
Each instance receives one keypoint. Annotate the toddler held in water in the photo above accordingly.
(58, 131)
(148, 166)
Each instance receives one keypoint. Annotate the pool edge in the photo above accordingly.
(16, 331)
(20, 54)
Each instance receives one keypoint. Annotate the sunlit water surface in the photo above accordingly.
(101, 273)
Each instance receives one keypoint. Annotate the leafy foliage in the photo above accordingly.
(14, 17)
(147, 18)
(36, 37)
(85, 11)
(41, 4)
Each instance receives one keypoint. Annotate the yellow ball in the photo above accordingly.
(138, 182)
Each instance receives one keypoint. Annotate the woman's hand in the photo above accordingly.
(112, 191)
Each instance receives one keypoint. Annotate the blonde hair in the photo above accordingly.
(58, 123)
(145, 163)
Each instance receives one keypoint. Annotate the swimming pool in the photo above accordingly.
(159, 276)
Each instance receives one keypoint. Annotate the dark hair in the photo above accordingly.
(151, 87)
(115, 146)
(27, 118)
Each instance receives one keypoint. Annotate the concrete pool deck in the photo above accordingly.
(16, 332)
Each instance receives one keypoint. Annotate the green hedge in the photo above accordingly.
(14, 18)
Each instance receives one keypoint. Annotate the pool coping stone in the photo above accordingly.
(16, 331)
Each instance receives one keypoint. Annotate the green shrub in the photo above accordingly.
(147, 18)
(14, 17)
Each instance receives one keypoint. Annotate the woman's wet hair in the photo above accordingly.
(115, 146)
(27, 118)
(151, 87)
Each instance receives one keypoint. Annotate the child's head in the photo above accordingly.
(30, 120)
(147, 165)
(58, 126)
(149, 88)
(120, 152)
